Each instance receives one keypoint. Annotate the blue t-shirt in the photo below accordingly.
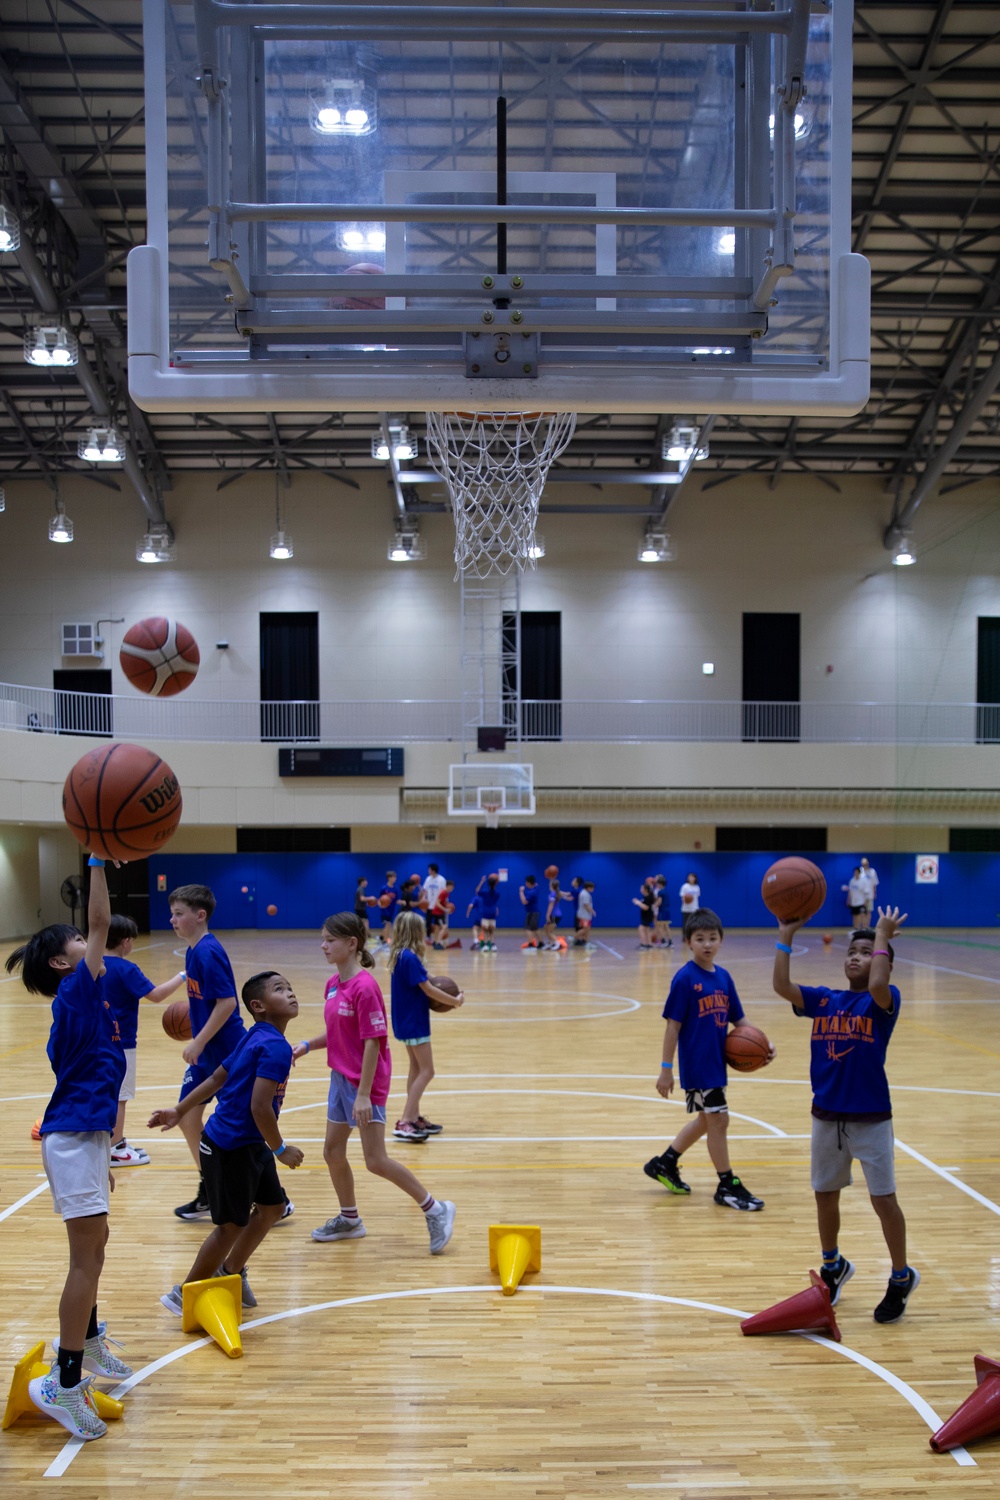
(850, 1036)
(210, 978)
(475, 910)
(705, 1002)
(411, 1014)
(489, 903)
(530, 899)
(262, 1053)
(87, 1056)
(124, 986)
(389, 910)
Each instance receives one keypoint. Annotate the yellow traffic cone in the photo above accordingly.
(215, 1307)
(514, 1249)
(31, 1367)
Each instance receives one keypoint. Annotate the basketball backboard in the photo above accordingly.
(560, 207)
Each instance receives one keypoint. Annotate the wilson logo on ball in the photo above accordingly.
(159, 656)
(160, 795)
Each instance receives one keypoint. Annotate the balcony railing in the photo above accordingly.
(415, 720)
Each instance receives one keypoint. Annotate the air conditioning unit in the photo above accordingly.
(81, 640)
(430, 836)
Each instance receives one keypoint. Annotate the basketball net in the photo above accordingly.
(495, 466)
(492, 811)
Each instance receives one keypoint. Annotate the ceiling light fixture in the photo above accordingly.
(355, 237)
(681, 445)
(655, 546)
(726, 243)
(50, 345)
(102, 445)
(344, 106)
(407, 543)
(157, 545)
(403, 445)
(60, 525)
(903, 555)
(281, 548)
(10, 230)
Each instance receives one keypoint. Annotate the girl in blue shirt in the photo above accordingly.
(411, 1021)
(85, 1050)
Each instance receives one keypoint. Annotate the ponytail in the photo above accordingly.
(345, 924)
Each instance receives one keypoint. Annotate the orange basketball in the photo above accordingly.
(793, 889)
(159, 656)
(176, 1020)
(361, 268)
(747, 1049)
(551, 871)
(385, 901)
(272, 910)
(122, 801)
(446, 983)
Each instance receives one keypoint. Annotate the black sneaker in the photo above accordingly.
(835, 1276)
(666, 1173)
(733, 1194)
(197, 1209)
(897, 1294)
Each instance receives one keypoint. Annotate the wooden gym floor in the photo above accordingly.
(373, 1370)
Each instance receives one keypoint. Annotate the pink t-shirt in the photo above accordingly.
(353, 1012)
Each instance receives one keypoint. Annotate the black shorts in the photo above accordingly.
(645, 918)
(531, 921)
(236, 1180)
(706, 1101)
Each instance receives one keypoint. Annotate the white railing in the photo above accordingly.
(405, 721)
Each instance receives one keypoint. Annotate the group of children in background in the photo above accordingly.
(96, 990)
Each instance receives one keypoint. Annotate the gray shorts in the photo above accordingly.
(836, 1143)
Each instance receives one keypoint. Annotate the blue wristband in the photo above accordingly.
(666, 1065)
(281, 1149)
(305, 1045)
(783, 948)
(97, 864)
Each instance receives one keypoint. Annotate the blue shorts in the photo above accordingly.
(196, 1073)
(412, 1041)
(340, 1104)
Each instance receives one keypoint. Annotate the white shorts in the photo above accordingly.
(127, 1090)
(78, 1166)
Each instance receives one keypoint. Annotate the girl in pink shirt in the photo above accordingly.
(357, 1052)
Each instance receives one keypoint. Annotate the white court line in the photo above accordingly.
(963, 1187)
(608, 949)
(72, 1447)
(490, 1140)
(22, 1201)
(940, 969)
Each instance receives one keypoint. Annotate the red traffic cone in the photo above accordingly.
(806, 1310)
(978, 1415)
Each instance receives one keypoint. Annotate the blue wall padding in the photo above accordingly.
(306, 888)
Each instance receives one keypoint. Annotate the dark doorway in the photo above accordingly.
(771, 677)
(128, 887)
(83, 701)
(988, 680)
(538, 670)
(289, 676)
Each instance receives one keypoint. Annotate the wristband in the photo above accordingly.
(880, 953)
(98, 864)
(281, 1149)
(305, 1045)
(783, 948)
(666, 1065)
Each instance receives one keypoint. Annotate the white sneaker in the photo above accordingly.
(70, 1405)
(125, 1155)
(173, 1300)
(98, 1359)
(440, 1226)
(340, 1228)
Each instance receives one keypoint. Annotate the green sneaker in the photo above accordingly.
(666, 1173)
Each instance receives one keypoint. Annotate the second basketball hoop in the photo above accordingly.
(495, 467)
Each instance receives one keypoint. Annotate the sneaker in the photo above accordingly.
(124, 1155)
(98, 1359)
(897, 1294)
(666, 1173)
(247, 1298)
(197, 1209)
(70, 1405)
(425, 1125)
(474, 947)
(440, 1226)
(438, 947)
(733, 1194)
(834, 1277)
(173, 1300)
(287, 1211)
(407, 1130)
(340, 1229)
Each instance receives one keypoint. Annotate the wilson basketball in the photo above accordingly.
(385, 901)
(176, 1020)
(551, 871)
(272, 910)
(793, 889)
(122, 801)
(747, 1049)
(446, 983)
(159, 656)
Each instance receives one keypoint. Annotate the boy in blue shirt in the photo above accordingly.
(851, 1110)
(529, 900)
(124, 986)
(85, 1050)
(216, 1027)
(241, 1140)
(701, 1006)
